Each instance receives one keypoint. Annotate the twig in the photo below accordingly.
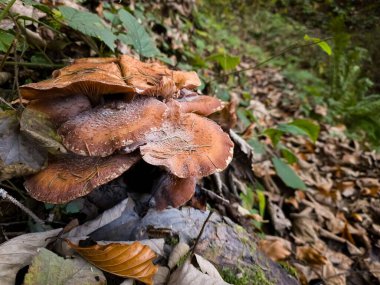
(200, 234)
(6, 103)
(4, 195)
(215, 196)
(6, 10)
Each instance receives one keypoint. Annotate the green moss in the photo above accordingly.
(289, 268)
(172, 240)
(249, 276)
(182, 260)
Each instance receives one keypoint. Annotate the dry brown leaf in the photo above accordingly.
(132, 261)
(310, 255)
(275, 247)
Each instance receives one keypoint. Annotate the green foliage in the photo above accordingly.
(137, 36)
(287, 174)
(226, 61)
(6, 40)
(87, 23)
(322, 44)
(349, 95)
(303, 127)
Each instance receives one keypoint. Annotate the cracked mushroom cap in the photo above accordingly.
(87, 78)
(188, 145)
(173, 191)
(61, 109)
(71, 176)
(155, 79)
(200, 104)
(115, 126)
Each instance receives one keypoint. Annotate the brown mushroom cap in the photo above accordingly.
(90, 79)
(156, 79)
(71, 176)
(61, 109)
(173, 191)
(103, 130)
(200, 104)
(188, 145)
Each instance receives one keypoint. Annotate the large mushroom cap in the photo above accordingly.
(155, 79)
(61, 109)
(88, 78)
(188, 145)
(71, 176)
(103, 130)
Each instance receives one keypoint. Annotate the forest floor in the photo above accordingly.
(316, 212)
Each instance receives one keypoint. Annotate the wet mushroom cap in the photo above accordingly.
(71, 176)
(61, 109)
(155, 78)
(90, 79)
(105, 129)
(201, 104)
(188, 145)
(173, 191)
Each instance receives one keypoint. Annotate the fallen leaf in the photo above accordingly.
(38, 126)
(180, 250)
(207, 267)
(310, 255)
(275, 247)
(161, 277)
(19, 155)
(280, 222)
(18, 252)
(132, 261)
(49, 268)
(107, 217)
(188, 274)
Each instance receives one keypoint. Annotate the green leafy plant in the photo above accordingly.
(137, 36)
(87, 23)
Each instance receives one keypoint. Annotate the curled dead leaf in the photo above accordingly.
(125, 260)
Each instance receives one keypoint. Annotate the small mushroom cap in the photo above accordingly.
(71, 176)
(173, 191)
(90, 79)
(155, 79)
(188, 145)
(105, 129)
(61, 109)
(200, 104)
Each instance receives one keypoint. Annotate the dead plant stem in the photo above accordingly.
(6, 9)
(200, 234)
(4, 195)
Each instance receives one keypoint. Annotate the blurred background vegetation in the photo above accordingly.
(346, 81)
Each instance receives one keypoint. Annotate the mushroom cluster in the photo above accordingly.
(112, 112)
